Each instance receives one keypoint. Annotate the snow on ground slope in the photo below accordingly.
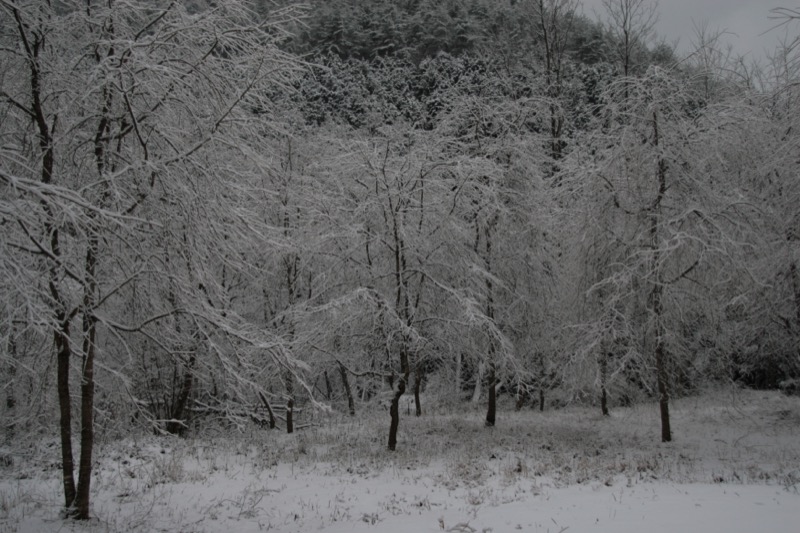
(734, 467)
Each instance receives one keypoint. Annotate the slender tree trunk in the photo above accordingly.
(417, 387)
(87, 383)
(33, 43)
(290, 402)
(604, 383)
(290, 416)
(521, 395)
(796, 292)
(176, 424)
(491, 408)
(11, 400)
(657, 293)
(270, 412)
(491, 411)
(403, 309)
(328, 390)
(542, 381)
(90, 298)
(394, 414)
(394, 409)
(663, 389)
(64, 354)
(351, 406)
(457, 384)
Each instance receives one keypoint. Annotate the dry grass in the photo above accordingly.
(729, 436)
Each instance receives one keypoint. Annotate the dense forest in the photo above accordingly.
(221, 214)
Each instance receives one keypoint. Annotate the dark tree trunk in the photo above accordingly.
(290, 416)
(328, 390)
(491, 408)
(663, 383)
(542, 381)
(394, 409)
(457, 385)
(87, 383)
(394, 413)
(417, 386)
(11, 400)
(177, 425)
(351, 406)
(657, 294)
(604, 383)
(521, 396)
(491, 411)
(604, 401)
(270, 412)
(796, 291)
(64, 353)
(61, 335)
(289, 379)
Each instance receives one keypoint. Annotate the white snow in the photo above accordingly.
(734, 467)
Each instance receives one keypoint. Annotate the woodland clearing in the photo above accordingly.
(734, 465)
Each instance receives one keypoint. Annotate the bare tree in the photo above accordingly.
(553, 20)
(130, 107)
(631, 24)
(663, 227)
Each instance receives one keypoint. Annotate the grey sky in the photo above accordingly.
(746, 20)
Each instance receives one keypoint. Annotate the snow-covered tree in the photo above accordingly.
(130, 143)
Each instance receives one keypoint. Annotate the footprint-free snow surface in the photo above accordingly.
(734, 466)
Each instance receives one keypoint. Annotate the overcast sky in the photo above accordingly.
(746, 20)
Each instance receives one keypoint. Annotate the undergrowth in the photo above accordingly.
(749, 438)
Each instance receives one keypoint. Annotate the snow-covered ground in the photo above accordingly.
(734, 466)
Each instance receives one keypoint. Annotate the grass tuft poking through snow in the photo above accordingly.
(734, 466)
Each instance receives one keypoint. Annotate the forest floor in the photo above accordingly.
(733, 466)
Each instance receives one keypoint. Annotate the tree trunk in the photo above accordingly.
(542, 381)
(11, 400)
(270, 412)
(351, 406)
(521, 395)
(64, 353)
(176, 424)
(796, 291)
(87, 382)
(603, 383)
(657, 294)
(289, 377)
(290, 416)
(394, 413)
(491, 411)
(491, 408)
(394, 409)
(328, 390)
(417, 386)
(663, 391)
(61, 333)
(457, 390)
(87, 422)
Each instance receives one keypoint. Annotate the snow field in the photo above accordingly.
(734, 466)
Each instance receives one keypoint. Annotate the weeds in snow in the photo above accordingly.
(154, 483)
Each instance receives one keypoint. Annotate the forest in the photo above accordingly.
(258, 215)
